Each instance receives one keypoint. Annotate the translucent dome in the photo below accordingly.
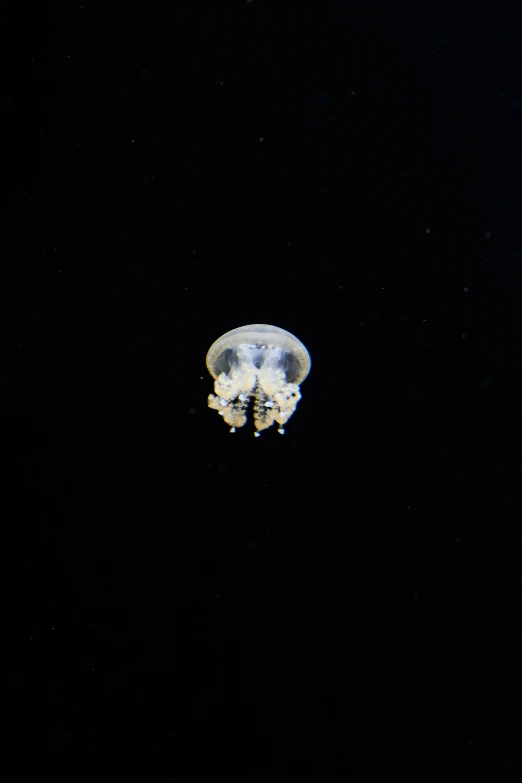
(262, 362)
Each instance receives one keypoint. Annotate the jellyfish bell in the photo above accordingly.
(259, 363)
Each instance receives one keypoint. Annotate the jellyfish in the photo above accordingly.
(259, 362)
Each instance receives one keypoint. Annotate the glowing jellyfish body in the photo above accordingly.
(258, 362)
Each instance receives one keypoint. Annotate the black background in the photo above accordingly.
(342, 602)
